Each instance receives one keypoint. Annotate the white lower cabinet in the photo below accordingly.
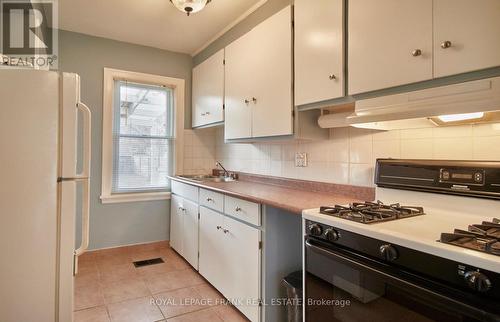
(241, 248)
(190, 233)
(211, 239)
(176, 223)
(184, 229)
(230, 259)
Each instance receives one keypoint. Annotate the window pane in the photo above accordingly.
(144, 110)
(142, 137)
(142, 164)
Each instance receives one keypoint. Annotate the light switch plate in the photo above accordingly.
(301, 159)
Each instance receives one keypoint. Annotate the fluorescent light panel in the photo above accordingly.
(461, 117)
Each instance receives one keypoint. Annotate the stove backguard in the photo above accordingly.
(465, 178)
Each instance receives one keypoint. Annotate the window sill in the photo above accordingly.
(134, 197)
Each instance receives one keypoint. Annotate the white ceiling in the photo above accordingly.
(155, 23)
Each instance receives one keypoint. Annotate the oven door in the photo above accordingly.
(343, 286)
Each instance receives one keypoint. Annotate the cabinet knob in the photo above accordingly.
(446, 44)
(332, 77)
(209, 199)
(219, 227)
(247, 101)
(237, 209)
(207, 113)
(416, 53)
(182, 209)
(225, 231)
(254, 99)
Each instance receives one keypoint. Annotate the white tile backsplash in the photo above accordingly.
(486, 148)
(453, 148)
(416, 148)
(199, 151)
(348, 157)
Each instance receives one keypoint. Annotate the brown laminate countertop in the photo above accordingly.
(292, 199)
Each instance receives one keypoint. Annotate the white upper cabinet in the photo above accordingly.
(319, 50)
(466, 35)
(390, 43)
(272, 47)
(238, 88)
(208, 91)
(258, 85)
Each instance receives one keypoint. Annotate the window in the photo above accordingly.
(142, 137)
(142, 122)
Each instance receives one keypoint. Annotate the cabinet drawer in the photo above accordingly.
(212, 200)
(185, 190)
(242, 209)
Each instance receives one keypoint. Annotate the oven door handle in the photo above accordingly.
(444, 301)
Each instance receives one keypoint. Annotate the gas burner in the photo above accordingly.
(372, 212)
(484, 237)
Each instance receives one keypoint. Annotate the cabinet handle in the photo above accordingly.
(247, 101)
(237, 209)
(219, 227)
(225, 231)
(254, 100)
(416, 53)
(332, 77)
(446, 44)
(182, 209)
(209, 199)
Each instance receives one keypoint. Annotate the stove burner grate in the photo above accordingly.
(484, 237)
(371, 212)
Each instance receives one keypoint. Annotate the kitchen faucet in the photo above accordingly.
(226, 173)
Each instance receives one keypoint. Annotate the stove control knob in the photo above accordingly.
(315, 230)
(332, 235)
(477, 281)
(388, 252)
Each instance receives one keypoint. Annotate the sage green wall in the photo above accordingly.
(124, 223)
(265, 11)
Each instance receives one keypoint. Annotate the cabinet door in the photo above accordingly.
(319, 50)
(208, 90)
(271, 47)
(211, 262)
(238, 88)
(390, 43)
(472, 29)
(190, 233)
(176, 223)
(242, 273)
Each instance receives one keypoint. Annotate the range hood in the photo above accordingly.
(470, 102)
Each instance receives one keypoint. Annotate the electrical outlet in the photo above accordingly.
(301, 159)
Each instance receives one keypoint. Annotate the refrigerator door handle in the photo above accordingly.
(85, 218)
(87, 138)
(84, 177)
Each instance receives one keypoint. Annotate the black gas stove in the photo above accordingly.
(483, 237)
(350, 276)
(372, 212)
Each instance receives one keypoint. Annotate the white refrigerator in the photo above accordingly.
(39, 113)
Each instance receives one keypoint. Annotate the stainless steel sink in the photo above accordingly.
(202, 178)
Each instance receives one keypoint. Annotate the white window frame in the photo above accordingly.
(178, 85)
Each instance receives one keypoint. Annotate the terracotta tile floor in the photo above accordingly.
(108, 288)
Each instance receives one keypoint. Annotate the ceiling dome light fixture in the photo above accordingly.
(190, 6)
